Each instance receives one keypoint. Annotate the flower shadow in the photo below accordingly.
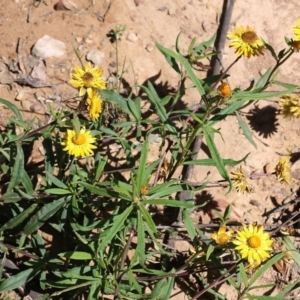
(263, 120)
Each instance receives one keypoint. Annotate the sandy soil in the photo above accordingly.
(87, 27)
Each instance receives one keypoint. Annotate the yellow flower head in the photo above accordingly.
(283, 171)
(95, 105)
(144, 190)
(289, 106)
(224, 90)
(80, 145)
(253, 244)
(240, 181)
(87, 78)
(246, 42)
(222, 236)
(296, 30)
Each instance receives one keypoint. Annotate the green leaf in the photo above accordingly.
(243, 274)
(117, 225)
(290, 247)
(263, 79)
(209, 251)
(171, 60)
(116, 99)
(288, 288)
(147, 218)
(18, 280)
(11, 197)
(215, 155)
(189, 225)
(13, 108)
(56, 191)
(171, 203)
(210, 162)
(271, 49)
(17, 170)
(246, 130)
(76, 255)
(265, 267)
(140, 177)
(53, 179)
(163, 289)
(18, 219)
(43, 214)
(205, 45)
(141, 237)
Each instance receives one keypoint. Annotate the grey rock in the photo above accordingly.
(49, 47)
(132, 37)
(95, 56)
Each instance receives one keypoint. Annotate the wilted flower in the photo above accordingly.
(222, 236)
(289, 106)
(283, 171)
(240, 181)
(224, 90)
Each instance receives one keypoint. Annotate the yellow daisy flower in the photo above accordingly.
(222, 236)
(296, 30)
(240, 181)
(80, 145)
(253, 244)
(246, 42)
(289, 106)
(283, 171)
(87, 78)
(95, 104)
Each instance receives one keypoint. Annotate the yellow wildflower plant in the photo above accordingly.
(246, 42)
(240, 181)
(222, 237)
(283, 171)
(296, 30)
(86, 79)
(95, 105)
(289, 106)
(81, 145)
(253, 244)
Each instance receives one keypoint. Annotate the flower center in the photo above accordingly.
(87, 77)
(254, 242)
(80, 140)
(249, 37)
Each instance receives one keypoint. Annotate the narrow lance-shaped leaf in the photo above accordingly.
(246, 130)
(216, 155)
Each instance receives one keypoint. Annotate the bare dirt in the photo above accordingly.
(87, 27)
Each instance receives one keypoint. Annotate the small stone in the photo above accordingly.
(207, 26)
(36, 107)
(39, 71)
(31, 61)
(254, 202)
(132, 37)
(24, 94)
(171, 11)
(5, 75)
(49, 47)
(155, 139)
(79, 40)
(105, 41)
(95, 56)
(149, 47)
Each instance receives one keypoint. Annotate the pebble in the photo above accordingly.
(132, 37)
(95, 56)
(105, 42)
(254, 202)
(39, 71)
(155, 139)
(171, 11)
(24, 94)
(49, 47)
(5, 75)
(207, 26)
(149, 47)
